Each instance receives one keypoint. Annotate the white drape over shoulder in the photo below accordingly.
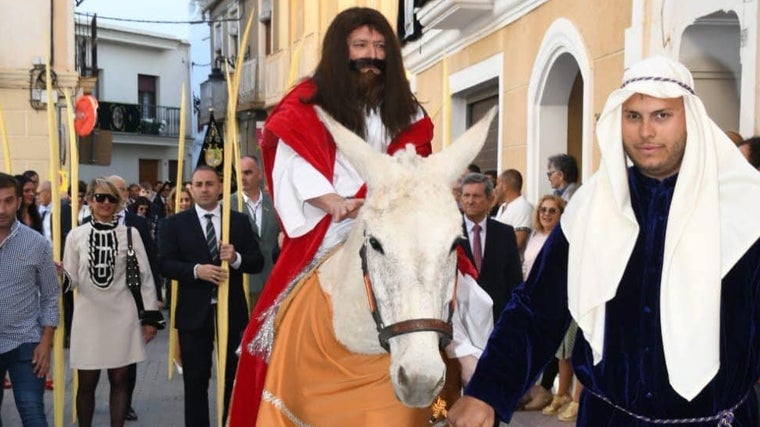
(713, 220)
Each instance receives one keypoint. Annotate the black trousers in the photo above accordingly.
(550, 372)
(196, 347)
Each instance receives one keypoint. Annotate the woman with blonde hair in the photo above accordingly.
(185, 200)
(106, 331)
(546, 216)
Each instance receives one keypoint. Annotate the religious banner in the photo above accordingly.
(212, 150)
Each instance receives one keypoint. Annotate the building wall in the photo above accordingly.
(298, 39)
(528, 47)
(529, 50)
(717, 41)
(122, 55)
(170, 62)
(125, 160)
(26, 41)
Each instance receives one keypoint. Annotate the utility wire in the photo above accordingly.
(149, 21)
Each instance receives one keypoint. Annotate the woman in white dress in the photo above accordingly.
(106, 332)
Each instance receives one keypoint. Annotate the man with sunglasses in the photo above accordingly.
(657, 263)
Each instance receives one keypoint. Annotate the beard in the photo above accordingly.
(369, 82)
(369, 88)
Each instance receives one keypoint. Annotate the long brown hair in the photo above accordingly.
(337, 94)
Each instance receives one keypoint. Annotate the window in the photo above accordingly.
(477, 107)
(217, 40)
(265, 17)
(233, 28)
(474, 90)
(146, 95)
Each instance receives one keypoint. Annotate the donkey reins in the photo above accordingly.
(444, 329)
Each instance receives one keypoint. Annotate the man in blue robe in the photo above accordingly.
(659, 263)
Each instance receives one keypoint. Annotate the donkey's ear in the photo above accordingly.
(370, 164)
(455, 158)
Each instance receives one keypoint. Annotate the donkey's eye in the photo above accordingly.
(376, 245)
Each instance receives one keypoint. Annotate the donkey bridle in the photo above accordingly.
(444, 329)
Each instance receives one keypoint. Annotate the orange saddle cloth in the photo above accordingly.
(314, 380)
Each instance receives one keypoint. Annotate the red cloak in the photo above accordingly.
(297, 124)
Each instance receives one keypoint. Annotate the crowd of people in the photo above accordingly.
(628, 286)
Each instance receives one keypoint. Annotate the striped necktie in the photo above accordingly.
(211, 242)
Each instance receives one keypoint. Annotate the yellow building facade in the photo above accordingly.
(41, 29)
(548, 65)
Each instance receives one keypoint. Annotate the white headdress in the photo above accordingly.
(713, 220)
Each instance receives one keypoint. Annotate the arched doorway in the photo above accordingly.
(560, 119)
(710, 49)
(560, 115)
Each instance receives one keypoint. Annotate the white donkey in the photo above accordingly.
(357, 316)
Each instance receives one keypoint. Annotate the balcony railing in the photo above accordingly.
(86, 42)
(135, 118)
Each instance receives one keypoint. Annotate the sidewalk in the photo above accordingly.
(158, 400)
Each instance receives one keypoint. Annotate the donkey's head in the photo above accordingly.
(409, 226)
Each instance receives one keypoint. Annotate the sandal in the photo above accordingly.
(557, 403)
(570, 413)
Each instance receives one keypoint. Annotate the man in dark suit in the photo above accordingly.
(188, 253)
(264, 223)
(45, 208)
(489, 244)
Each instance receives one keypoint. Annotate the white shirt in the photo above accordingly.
(121, 215)
(46, 213)
(295, 181)
(84, 212)
(216, 220)
(254, 207)
(517, 213)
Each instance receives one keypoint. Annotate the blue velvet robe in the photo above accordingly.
(632, 373)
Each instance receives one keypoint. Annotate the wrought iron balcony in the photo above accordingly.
(135, 118)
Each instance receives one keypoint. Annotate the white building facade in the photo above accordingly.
(140, 75)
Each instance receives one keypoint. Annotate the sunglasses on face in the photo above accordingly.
(550, 173)
(550, 211)
(102, 197)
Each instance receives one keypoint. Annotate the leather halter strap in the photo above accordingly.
(443, 328)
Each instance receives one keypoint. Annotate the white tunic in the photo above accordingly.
(296, 180)
(105, 330)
